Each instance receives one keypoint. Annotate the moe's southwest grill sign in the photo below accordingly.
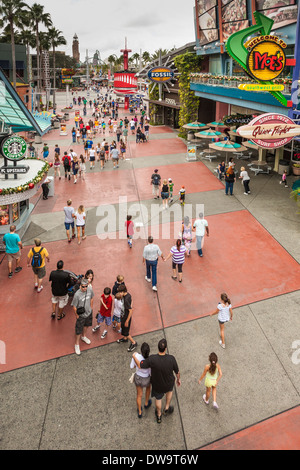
(270, 130)
(160, 74)
(262, 57)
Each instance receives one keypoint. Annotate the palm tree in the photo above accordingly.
(56, 39)
(112, 60)
(37, 16)
(28, 39)
(146, 57)
(155, 55)
(136, 57)
(13, 13)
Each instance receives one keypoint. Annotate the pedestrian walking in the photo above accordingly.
(150, 258)
(212, 373)
(80, 217)
(155, 182)
(284, 179)
(201, 228)
(182, 195)
(119, 282)
(225, 314)
(142, 378)
(36, 259)
(187, 236)
(129, 230)
(163, 366)
(171, 189)
(221, 170)
(82, 304)
(92, 157)
(45, 151)
(245, 180)
(69, 220)
(114, 153)
(126, 319)
(75, 168)
(13, 247)
(229, 180)
(165, 194)
(57, 165)
(104, 314)
(82, 167)
(60, 281)
(122, 149)
(177, 252)
(67, 165)
(118, 312)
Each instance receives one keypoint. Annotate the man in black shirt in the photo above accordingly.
(126, 319)
(60, 280)
(162, 367)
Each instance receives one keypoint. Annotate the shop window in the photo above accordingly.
(15, 211)
(4, 215)
(23, 206)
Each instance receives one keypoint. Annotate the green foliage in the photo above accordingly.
(153, 108)
(186, 64)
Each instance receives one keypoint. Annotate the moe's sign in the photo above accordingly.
(160, 74)
(270, 130)
(266, 57)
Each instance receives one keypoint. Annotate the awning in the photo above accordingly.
(14, 112)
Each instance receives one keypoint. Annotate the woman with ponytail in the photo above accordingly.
(225, 314)
(177, 252)
(212, 373)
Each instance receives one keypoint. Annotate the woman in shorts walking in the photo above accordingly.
(212, 373)
(225, 314)
(80, 223)
(177, 252)
(142, 379)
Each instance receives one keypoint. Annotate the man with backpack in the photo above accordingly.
(36, 259)
(155, 181)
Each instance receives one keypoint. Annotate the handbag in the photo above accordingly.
(131, 378)
(81, 310)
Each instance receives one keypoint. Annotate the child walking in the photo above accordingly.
(171, 188)
(283, 179)
(118, 312)
(129, 230)
(212, 373)
(225, 314)
(104, 314)
(80, 223)
(182, 195)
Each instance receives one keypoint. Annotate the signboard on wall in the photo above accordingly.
(207, 21)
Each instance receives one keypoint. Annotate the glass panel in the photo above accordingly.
(15, 211)
(4, 215)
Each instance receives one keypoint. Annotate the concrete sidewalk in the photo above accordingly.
(56, 400)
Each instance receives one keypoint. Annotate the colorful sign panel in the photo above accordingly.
(270, 131)
(160, 74)
(207, 21)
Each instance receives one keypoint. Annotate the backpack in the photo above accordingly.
(36, 258)
(156, 180)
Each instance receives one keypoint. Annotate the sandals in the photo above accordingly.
(61, 316)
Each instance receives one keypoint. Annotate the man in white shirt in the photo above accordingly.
(150, 258)
(72, 154)
(200, 227)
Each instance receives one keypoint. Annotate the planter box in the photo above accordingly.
(296, 171)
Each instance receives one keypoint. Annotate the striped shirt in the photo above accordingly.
(178, 257)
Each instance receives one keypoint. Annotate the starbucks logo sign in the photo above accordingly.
(13, 148)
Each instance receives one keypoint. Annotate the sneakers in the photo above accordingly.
(18, 269)
(96, 328)
(10, 275)
(215, 405)
(221, 344)
(132, 347)
(122, 340)
(40, 289)
(85, 340)
(147, 279)
(104, 334)
(204, 399)
(77, 349)
(154, 288)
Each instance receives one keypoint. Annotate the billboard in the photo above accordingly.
(207, 21)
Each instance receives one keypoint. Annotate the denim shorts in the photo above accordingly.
(68, 225)
(101, 319)
(116, 319)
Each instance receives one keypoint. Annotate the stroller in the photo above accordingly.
(74, 284)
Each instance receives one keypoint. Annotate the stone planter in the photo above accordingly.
(296, 170)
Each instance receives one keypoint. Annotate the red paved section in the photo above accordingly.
(30, 336)
(278, 433)
(228, 265)
(160, 130)
(196, 177)
(157, 147)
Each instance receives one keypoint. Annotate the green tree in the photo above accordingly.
(56, 39)
(27, 38)
(37, 17)
(13, 13)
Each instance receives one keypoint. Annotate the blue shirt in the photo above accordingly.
(11, 242)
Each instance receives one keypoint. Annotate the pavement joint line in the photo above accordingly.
(47, 405)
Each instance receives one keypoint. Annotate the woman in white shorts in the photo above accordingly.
(80, 222)
(142, 380)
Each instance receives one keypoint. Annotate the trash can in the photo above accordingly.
(190, 135)
(67, 116)
(283, 165)
(51, 186)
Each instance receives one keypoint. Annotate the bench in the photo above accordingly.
(257, 170)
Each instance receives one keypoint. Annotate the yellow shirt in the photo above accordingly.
(44, 254)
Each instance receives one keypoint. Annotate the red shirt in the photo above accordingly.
(129, 227)
(108, 302)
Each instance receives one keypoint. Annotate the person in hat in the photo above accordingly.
(83, 308)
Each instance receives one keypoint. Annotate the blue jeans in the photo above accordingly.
(152, 266)
(199, 244)
(229, 186)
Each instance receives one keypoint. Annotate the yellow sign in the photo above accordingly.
(266, 57)
(257, 87)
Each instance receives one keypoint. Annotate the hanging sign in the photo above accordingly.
(270, 131)
(160, 74)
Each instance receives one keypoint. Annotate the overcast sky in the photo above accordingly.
(103, 24)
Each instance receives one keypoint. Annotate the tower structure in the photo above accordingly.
(125, 83)
(75, 48)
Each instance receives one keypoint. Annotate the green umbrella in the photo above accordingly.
(227, 146)
(195, 125)
(216, 124)
(209, 134)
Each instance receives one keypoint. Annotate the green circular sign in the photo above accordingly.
(13, 148)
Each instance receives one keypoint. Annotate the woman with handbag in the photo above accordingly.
(141, 379)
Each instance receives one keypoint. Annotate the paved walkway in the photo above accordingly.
(53, 399)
